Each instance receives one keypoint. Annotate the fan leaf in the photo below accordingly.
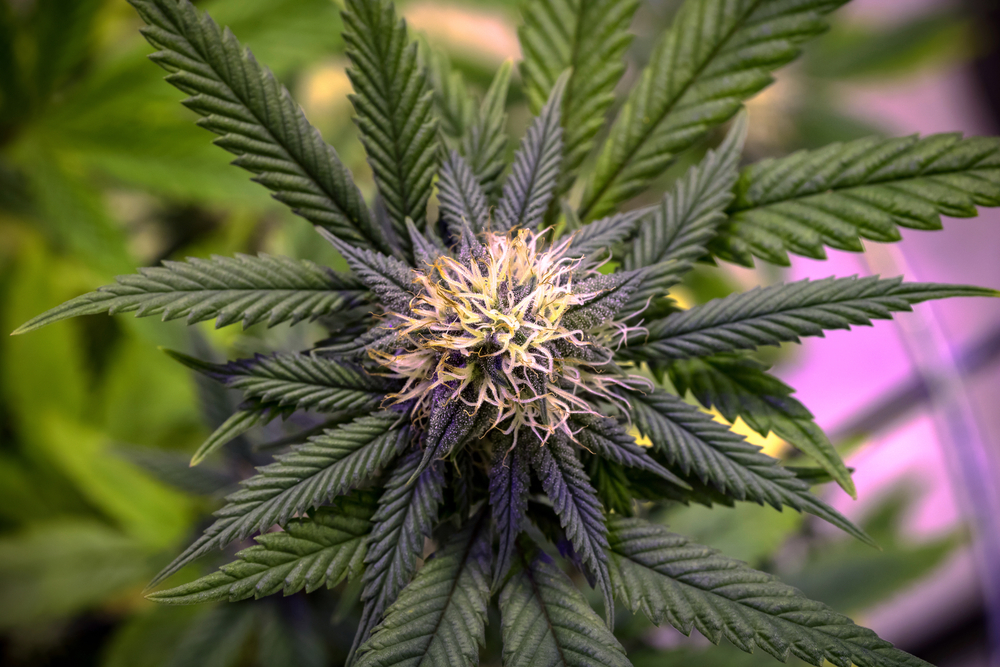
(531, 185)
(695, 444)
(590, 38)
(297, 381)
(600, 235)
(440, 618)
(607, 439)
(580, 513)
(243, 289)
(841, 193)
(310, 553)
(509, 483)
(311, 474)
(694, 587)
(739, 387)
(461, 199)
(484, 145)
(389, 279)
(781, 314)
(235, 426)
(716, 54)
(545, 620)
(687, 217)
(395, 105)
(257, 119)
(406, 515)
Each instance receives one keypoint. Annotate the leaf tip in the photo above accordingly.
(28, 326)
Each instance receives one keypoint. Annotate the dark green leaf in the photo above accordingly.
(388, 278)
(839, 194)
(716, 54)
(509, 482)
(238, 424)
(782, 313)
(406, 515)
(689, 214)
(395, 106)
(257, 119)
(694, 587)
(325, 467)
(740, 387)
(531, 185)
(230, 289)
(440, 618)
(694, 443)
(462, 200)
(297, 381)
(580, 513)
(600, 235)
(320, 550)
(607, 439)
(546, 622)
(485, 143)
(590, 38)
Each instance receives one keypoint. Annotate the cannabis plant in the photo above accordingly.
(507, 377)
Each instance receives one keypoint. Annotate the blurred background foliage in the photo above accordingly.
(102, 170)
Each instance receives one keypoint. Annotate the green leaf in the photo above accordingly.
(580, 512)
(607, 439)
(694, 443)
(323, 468)
(395, 106)
(695, 587)
(406, 515)
(545, 620)
(319, 550)
(591, 39)
(690, 212)
(782, 313)
(510, 479)
(841, 193)
(740, 387)
(426, 249)
(600, 235)
(462, 200)
(440, 618)
(388, 278)
(716, 54)
(238, 424)
(531, 185)
(613, 486)
(229, 289)
(257, 119)
(485, 143)
(296, 381)
(454, 106)
(650, 296)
